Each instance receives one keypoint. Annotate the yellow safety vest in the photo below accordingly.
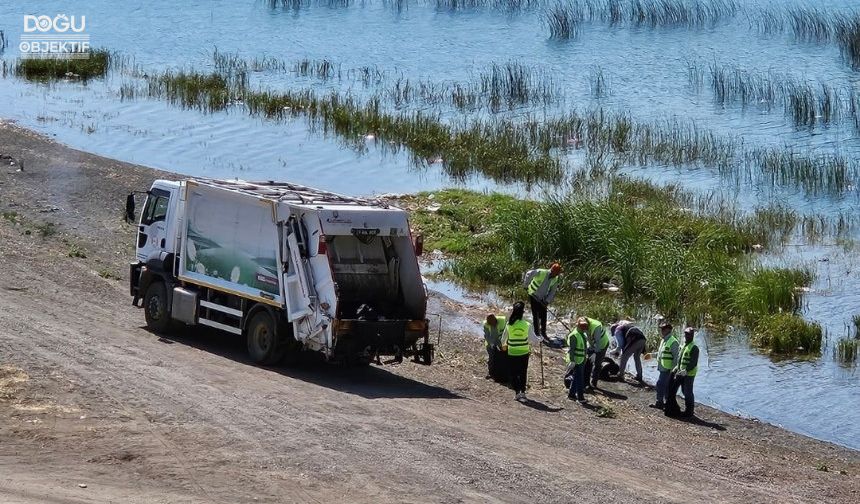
(685, 359)
(665, 352)
(577, 347)
(518, 338)
(593, 325)
(501, 322)
(538, 280)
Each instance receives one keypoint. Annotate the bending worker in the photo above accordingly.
(517, 338)
(632, 345)
(493, 329)
(542, 285)
(667, 360)
(575, 359)
(686, 371)
(598, 343)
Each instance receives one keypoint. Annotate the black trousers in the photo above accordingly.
(518, 366)
(538, 316)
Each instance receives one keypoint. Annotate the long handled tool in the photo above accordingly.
(542, 383)
(557, 318)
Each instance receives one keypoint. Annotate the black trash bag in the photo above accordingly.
(499, 366)
(607, 372)
(671, 407)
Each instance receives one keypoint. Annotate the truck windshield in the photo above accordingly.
(156, 207)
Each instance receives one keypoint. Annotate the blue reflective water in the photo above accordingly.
(646, 72)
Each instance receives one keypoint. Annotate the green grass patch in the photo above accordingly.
(108, 275)
(46, 229)
(787, 334)
(75, 251)
(638, 237)
(47, 69)
(11, 216)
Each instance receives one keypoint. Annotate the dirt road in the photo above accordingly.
(89, 398)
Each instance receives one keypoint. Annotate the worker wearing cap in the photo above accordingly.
(667, 360)
(575, 359)
(686, 371)
(542, 285)
(493, 329)
(598, 343)
(516, 339)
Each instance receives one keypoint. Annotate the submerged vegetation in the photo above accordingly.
(620, 233)
(807, 104)
(846, 350)
(563, 18)
(89, 65)
(522, 149)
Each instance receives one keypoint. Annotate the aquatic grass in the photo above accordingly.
(598, 83)
(814, 25)
(769, 291)
(626, 233)
(524, 149)
(787, 334)
(563, 21)
(816, 174)
(806, 103)
(564, 18)
(856, 321)
(96, 64)
(846, 350)
(323, 69)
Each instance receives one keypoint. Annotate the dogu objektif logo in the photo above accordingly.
(58, 36)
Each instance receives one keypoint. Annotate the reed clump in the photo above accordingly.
(563, 21)
(846, 350)
(806, 103)
(787, 334)
(83, 67)
(564, 18)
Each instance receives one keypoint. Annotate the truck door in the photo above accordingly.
(295, 279)
(152, 232)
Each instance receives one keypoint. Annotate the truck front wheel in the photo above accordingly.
(264, 344)
(155, 307)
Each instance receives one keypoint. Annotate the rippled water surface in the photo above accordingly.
(646, 73)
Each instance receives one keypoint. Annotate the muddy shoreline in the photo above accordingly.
(89, 397)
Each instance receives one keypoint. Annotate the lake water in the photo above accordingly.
(646, 71)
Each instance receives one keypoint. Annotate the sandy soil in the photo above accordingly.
(94, 408)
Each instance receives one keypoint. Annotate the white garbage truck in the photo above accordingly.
(287, 267)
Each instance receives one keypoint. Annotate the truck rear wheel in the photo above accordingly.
(155, 307)
(265, 346)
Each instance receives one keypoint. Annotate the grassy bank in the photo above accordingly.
(688, 265)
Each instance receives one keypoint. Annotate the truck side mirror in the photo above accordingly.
(419, 245)
(129, 208)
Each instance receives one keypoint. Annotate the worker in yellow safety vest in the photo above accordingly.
(598, 343)
(541, 284)
(517, 338)
(667, 360)
(494, 326)
(686, 371)
(575, 359)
